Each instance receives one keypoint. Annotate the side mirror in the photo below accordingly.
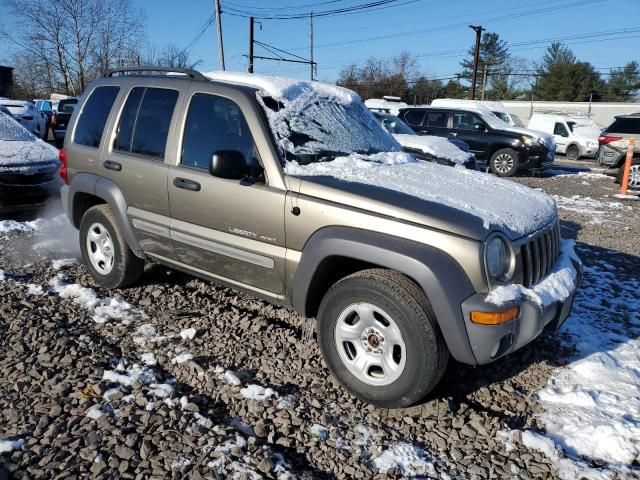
(229, 164)
(478, 127)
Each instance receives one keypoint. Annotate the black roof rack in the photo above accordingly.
(193, 74)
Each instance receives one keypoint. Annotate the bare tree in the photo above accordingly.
(74, 40)
(175, 57)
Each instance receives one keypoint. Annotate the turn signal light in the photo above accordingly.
(495, 318)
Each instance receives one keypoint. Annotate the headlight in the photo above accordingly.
(528, 141)
(498, 260)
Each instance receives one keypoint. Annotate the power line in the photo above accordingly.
(201, 32)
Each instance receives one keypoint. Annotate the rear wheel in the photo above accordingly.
(634, 174)
(504, 162)
(380, 339)
(106, 254)
(573, 152)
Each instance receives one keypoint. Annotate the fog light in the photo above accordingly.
(495, 318)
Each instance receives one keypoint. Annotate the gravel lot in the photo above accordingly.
(178, 378)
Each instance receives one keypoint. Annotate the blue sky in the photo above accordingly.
(434, 29)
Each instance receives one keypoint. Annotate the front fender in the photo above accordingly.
(438, 274)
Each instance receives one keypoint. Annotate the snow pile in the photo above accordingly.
(181, 356)
(407, 458)
(312, 117)
(479, 194)
(103, 309)
(20, 151)
(438, 147)
(257, 392)
(231, 378)
(126, 375)
(8, 446)
(555, 287)
(11, 225)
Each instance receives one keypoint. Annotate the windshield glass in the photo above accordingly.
(502, 116)
(312, 123)
(67, 106)
(17, 109)
(393, 124)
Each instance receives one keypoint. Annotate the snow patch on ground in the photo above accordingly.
(600, 211)
(63, 262)
(592, 406)
(555, 287)
(8, 446)
(7, 226)
(104, 309)
(409, 459)
(257, 392)
(188, 333)
(231, 378)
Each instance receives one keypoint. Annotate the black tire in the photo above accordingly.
(634, 163)
(127, 267)
(495, 164)
(426, 351)
(573, 152)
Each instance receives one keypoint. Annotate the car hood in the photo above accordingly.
(547, 138)
(438, 147)
(456, 200)
(26, 156)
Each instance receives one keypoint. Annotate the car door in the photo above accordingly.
(136, 161)
(435, 123)
(561, 136)
(225, 228)
(470, 128)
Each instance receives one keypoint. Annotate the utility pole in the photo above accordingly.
(220, 45)
(484, 81)
(250, 44)
(478, 29)
(312, 65)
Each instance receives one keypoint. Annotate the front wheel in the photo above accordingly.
(504, 162)
(379, 337)
(106, 254)
(573, 152)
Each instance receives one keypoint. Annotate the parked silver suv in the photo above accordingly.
(292, 191)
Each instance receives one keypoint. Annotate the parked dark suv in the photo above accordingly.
(506, 149)
(614, 142)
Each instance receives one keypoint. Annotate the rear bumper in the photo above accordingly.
(58, 134)
(489, 342)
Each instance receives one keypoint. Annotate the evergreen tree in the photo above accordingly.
(561, 77)
(493, 55)
(624, 84)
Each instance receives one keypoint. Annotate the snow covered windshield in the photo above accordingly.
(312, 123)
(12, 131)
(393, 124)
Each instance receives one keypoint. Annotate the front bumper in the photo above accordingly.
(489, 342)
(538, 159)
(27, 197)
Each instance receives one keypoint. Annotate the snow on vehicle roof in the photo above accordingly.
(281, 88)
(489, 198)
(21, 103)
(20, 150)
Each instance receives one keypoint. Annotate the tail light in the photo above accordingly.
(54, 120)
(604, 139)
(62, 155)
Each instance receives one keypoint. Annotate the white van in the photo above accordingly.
(497, 108)
(570, 134)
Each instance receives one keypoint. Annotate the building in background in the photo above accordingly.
(6, 81)
(602, 113)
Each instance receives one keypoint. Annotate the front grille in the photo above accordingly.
(17, 179)
(539, 255)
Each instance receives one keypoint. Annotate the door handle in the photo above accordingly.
(110, 165)
(186, 184)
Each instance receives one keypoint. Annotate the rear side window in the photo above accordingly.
(94, 116)
(67, 106)
(560, 129)
(464, 120)
(437, 119)
(625, 125)
(414, 117)
(145, 121)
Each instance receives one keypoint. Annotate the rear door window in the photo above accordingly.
(437, 119)
(625, 125)
(94, 116)
(145, 121)
(560, 129)
(414, 117)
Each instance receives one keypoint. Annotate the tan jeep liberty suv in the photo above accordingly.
(293, 192)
